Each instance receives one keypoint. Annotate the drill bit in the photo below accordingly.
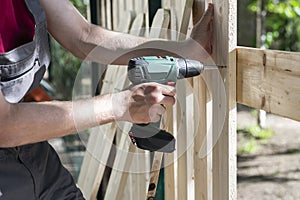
(210, 67)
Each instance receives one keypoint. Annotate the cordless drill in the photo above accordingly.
(163, 70)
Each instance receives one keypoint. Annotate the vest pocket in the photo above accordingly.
(15, 89)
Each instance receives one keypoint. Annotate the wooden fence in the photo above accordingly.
(203, 120)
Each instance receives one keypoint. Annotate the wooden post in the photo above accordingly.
(224, 152)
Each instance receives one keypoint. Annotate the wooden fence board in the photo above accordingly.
(224, 151)
(269, 80)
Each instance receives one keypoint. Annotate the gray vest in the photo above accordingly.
(22, 68)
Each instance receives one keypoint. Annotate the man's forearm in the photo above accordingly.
(118, 48)
(34, 122)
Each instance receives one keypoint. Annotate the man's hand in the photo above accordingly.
(143, 103)
(201, 39)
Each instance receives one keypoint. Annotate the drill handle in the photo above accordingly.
(150, 137)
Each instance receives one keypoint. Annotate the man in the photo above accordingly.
(29, 167)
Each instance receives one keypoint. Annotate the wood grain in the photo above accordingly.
(269, 80)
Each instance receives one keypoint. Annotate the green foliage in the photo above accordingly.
(80, 5)
(256, 132)
(249, 146)
(64, 65)
(252, 137)
(259, 133)
(282, 23)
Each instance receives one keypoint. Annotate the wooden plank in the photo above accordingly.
(158, 29)
(137, 27)
(185, 134)
(169, 158)
(121, 167)
(160, 24)
(102, 15)
(185, 19)
(108, 15)
(190, 135)
(202, 172)
(200, 164)
(216, 113)
(125, 23)
(166, 4)
(232, 125)
(269, 80)
(182, 176)
(170, 121)
(140, 176)
(116, 12)
(224, 151)
(173, 22)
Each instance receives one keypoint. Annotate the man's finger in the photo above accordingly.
(168, 100)
(169, 91)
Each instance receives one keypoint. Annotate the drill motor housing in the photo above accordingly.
(162, 70)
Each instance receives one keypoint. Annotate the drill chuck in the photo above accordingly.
(188, 68)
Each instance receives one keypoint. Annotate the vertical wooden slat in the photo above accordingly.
(108, 16)
(185, 183)
(158, 29)
(115, 13)
(224, 152)
(160, 24)
(201, 164)
(170, 121)
(182, 141)
(169, 158)
(185, 19)
(102, 15)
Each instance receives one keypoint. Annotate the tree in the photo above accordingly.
(282, 23)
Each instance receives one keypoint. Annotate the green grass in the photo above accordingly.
(256, 132)
(252, 137)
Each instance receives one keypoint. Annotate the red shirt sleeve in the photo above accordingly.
(16, 24)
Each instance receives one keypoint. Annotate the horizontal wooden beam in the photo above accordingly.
(269, 80)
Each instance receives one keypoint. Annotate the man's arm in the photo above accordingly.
(25, 123)
(80, 37)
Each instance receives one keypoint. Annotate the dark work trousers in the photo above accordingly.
(35, 172)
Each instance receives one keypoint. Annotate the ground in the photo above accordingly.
(273, 171)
